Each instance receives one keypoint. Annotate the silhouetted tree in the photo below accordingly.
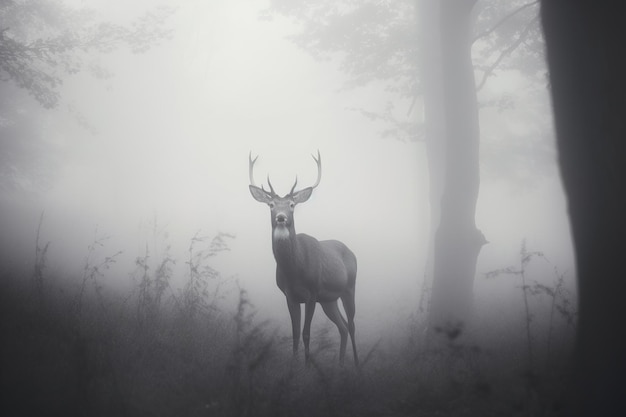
(588, 81)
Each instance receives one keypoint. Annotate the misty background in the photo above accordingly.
(155, 151)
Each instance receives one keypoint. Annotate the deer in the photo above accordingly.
(309, 271)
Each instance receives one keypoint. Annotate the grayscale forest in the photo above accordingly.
(444, 187)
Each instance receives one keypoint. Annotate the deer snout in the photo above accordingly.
(281, 218)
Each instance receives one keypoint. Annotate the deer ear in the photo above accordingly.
(260, 195)
(302, 195)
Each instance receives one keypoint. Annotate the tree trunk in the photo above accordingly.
(588, 81)
(457, 240)
(434, 128)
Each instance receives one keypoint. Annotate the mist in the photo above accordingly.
(155, 154)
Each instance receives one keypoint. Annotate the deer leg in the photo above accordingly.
(309, 309)
(294, 312)
(350, 308)
(332, 311)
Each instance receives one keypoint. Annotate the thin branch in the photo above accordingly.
(523, 35)
(503, 20)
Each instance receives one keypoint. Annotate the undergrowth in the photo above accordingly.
(165, 351)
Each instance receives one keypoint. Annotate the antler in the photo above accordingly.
(270, 184)
(318, 161)
(251, 173)
(294, 186)
(251, 167)
(251, 162)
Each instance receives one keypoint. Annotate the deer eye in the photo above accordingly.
(292, 205)
(271, 204)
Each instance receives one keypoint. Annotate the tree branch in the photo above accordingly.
(522, 37)
(503, 20)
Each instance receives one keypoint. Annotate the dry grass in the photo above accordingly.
(162, 352)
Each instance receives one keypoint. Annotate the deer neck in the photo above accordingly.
(285, 247)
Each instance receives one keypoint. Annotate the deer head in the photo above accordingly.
(282, 208)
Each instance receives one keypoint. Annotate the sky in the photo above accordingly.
(170, 136)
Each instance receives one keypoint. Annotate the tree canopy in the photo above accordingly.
(377, 42)
(42, 43)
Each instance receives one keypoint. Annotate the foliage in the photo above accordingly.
(202, 288)
(508, 37)
(374, 41)
(560, 299)
(147, 354)
(42, 41)
(152, 285)
(40, 264)
(93, 272)
(377, 42)
(27, 159)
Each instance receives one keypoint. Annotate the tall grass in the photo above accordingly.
(161, 350)
(560, 301)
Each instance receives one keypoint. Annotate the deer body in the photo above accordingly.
(309, 271)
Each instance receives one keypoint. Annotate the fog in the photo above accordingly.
(165, 141)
